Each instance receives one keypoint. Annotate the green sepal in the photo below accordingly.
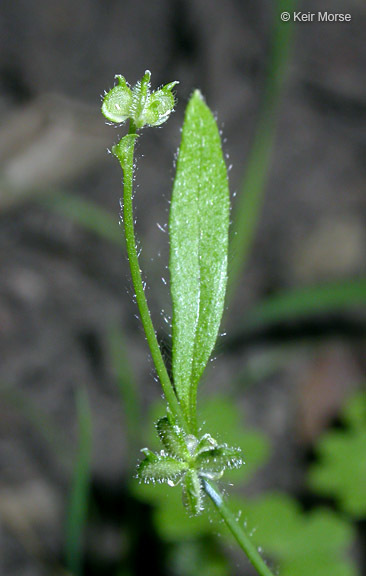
(172, 438)
(117, 103)
(160, 106)
(192, 493)
(160, 468)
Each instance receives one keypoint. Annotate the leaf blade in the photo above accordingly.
(192, 493)
(80, 489)
(159, 468)
(172, 438)
(199, 224)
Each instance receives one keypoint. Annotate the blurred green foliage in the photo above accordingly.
(85, 213)
(130, 400)
(305, 302)
(76, 520)
(201, 556)
(249, 205)
(313, 543)
(340, 471)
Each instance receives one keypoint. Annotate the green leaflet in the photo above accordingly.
(213, 463)
(188, 461)
(313, 543)
(159, 468)
(172, 439)
(340, 471)
(192, 493)
(199, 224)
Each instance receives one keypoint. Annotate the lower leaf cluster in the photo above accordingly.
(188, 461)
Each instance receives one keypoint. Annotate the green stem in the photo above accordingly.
(237, 531)
(125, 151)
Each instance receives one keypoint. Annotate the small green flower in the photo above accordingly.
(187, 460)
(143, 107)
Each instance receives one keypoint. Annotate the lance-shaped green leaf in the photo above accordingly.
(199, 223)
(159, 468)
(192, 493)
(173, 439)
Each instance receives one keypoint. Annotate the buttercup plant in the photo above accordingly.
(199, 237)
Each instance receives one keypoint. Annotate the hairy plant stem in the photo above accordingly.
(237, 531)
(128, 219)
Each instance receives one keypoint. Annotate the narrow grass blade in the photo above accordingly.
(38, 420)
(305, 302)
(79, 497)
(127, 387)
(86, 213)
(248, 208)
(199, 222)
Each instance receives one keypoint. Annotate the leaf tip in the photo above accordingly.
(197, 94)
